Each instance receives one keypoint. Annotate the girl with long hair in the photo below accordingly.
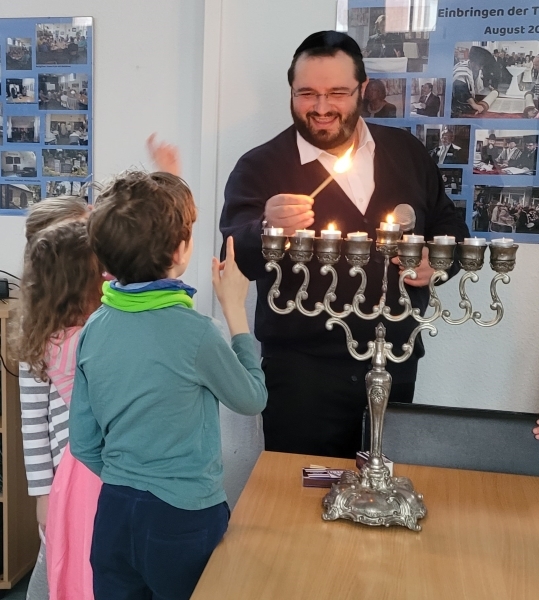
(60, 288)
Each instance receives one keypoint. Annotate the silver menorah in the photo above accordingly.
(373, 496)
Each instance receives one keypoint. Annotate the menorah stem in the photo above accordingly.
(378, 382)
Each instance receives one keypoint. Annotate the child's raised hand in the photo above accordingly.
(231, 288)
(166, 157)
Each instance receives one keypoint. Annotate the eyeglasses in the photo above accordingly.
(329, 96)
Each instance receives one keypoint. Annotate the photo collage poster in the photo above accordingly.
(465, 81)
(45, 110)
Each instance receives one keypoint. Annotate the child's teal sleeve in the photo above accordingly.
(85, 436)
(233, 375)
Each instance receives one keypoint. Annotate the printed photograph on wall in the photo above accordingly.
(384, 99)
(506, 209)
(427, 97)
(447, 144)
(62, 43)
(452, 179)
(19, 54)
(63, 188)
(18, 164)
(66, 130)
(59, 163)
(22, 129)
(495, 80)
(19, 196)
(63, 91)
(20, 91)
(505, 152)
(388, 39)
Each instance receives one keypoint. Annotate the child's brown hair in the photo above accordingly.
(138, 223)
(54, 210)
(60, 287)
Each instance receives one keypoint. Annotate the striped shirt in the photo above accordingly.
(45, 411)
(45, 420)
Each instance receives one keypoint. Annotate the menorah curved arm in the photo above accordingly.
(330, 295)
(408, 348)
(359, 297)
(496, 304)
(275, 292)
(303, 294)
(351, 343)
(465, 302)
(404, 299)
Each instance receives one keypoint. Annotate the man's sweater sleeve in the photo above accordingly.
(234, 375)
(242, 216)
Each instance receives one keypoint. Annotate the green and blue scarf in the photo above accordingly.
(150, 295)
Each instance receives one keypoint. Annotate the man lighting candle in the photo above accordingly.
(316, 390)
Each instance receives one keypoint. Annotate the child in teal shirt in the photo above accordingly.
(151, 372)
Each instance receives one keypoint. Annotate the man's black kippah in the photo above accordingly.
(330, 39)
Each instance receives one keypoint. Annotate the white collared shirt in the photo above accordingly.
(358, 182)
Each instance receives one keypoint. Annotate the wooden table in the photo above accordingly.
(480, 540)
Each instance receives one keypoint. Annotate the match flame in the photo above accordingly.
(345, 162)
(390, 219)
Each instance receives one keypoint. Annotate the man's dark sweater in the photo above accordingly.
(404, 173)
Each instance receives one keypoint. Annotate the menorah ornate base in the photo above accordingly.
(367, 498)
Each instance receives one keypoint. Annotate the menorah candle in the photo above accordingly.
(275, 231)
(389, 224)
(444, 240)
(331, 234)
(413, 239)
(304, 233)
(357, 236)
(475, 241)
(503, 242)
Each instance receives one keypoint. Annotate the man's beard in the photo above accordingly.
(322, 138)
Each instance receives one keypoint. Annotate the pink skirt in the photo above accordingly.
(70, 524)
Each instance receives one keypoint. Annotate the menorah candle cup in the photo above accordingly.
(357, 253)
(327, 251)
(301, 248)
(471, 256)
(441, 255)
(386, 241)
(410, 253)
(502, 258)
(274, 244)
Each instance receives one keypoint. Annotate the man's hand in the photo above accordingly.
(536, 431)
(289, 211)
(424, 271)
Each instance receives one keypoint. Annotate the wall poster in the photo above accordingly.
(465, 81)
(45, 109)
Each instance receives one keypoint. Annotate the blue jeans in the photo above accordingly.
(146, 549)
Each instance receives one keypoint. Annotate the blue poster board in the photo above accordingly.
(46, 92)
(465, 81)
